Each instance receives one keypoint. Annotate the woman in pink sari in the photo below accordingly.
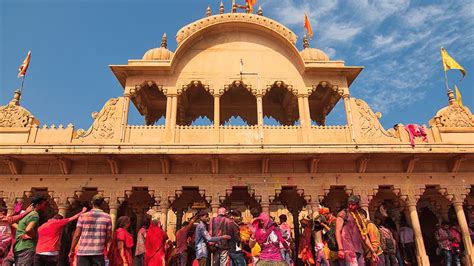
(120, 253)
(155, 242)
(269, 237)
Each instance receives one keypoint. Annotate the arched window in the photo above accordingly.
(322, 100)
(238, 106)
(195, 105)
(280, 105)
(150, 102)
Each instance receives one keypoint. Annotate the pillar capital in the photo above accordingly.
(365, 192)
(455, 193)
(410, 194)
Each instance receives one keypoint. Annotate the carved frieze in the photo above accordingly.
(368, 122)
(104, 122)
(453, 116)
(13, 115)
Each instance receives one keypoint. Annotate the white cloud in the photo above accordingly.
(340, 32)
(331, 52)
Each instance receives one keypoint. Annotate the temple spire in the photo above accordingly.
(208, 11)
(260, 11)
(221, 8)
(164, 41)
(305, 42)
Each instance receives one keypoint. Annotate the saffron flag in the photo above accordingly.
(458, 96)
(251, 3)
(307, 26)
(450, 63)
(25, 65)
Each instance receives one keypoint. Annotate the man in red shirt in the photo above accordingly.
(49, 239)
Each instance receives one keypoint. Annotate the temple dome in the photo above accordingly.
(159, 53)
(312, 54)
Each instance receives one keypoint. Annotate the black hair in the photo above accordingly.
(38, 199)
(283, 218)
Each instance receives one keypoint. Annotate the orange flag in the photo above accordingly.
(307, 26)
(25, 65)
(251, 3)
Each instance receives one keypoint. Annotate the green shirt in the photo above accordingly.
(23, 244)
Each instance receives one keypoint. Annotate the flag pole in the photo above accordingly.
(444, 70)
(22, 82)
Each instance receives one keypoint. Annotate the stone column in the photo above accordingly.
(466, 237)
(217, 110)
(265, 204)
(173, 115)
(62, 209)
(125, 111)
(301, 111)
(214, 207)
(307, 110)
(113, 211)
(164, 207)
(420, 245)
(457, 195)
(347, 105)
(259, 109)
(169, 100)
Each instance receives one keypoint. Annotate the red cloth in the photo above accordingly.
(305, 253)
(155, 242)
(49, 235)
(114, 253)
(414, 130)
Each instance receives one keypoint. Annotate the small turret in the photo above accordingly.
(260, 11)
(221, 8)
(208, 11)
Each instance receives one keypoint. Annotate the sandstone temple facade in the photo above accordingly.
(245, 65)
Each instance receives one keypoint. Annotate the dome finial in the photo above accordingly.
(305, 42)
(221, 8)
(208, 11)
(451, 99)
(247, 7)
(164, 41)
(16, 98)
(260, 11)
(234, 7)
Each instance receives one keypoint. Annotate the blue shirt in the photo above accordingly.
(201, 238)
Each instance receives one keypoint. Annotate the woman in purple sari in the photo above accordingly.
(268, 235)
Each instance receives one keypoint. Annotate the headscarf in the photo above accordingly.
(269, 226)
(155, 240)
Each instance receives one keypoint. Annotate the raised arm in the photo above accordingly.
(75, 217)
(15, 218)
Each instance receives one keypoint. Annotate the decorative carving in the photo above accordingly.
(268, 23)
(104, 122)
(13, 115)
(453, 116)
(370, 127)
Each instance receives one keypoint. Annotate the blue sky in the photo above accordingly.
(73, 42)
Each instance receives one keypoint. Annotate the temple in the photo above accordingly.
(248, 66)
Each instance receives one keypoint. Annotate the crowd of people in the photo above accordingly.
(345, 238)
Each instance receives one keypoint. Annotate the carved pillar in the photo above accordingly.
(164, 207)
(217, 110)
(125, 111)
(259, 97)
(113, 211)
(302, 113)
(411, 195)
(265, 204)
(172, 115)
(349, 117)
(214, 206)
(457, 195)
(169, 100)
(305, 119)
(307, 110)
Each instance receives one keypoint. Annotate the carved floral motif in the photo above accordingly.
(454, 116)
(12, 115)
(104, 122)
(370, 127)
